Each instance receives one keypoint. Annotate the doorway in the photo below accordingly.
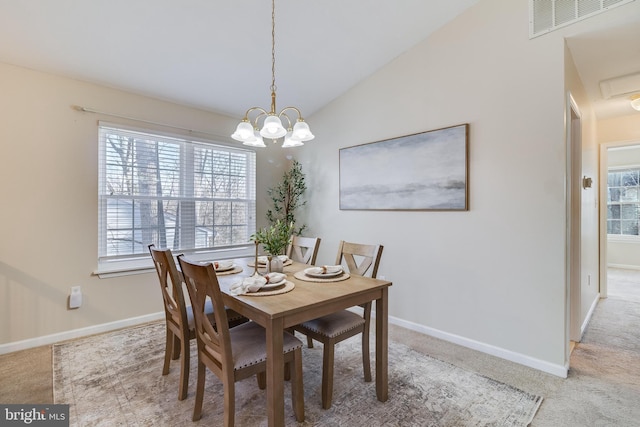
(621, 251)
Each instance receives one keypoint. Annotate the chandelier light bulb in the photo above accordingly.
(273, 128)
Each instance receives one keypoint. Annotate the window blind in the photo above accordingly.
(188, 196)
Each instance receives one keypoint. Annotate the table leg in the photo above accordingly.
(275, 372)
(382, 347)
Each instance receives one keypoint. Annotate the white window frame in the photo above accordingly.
(116, 264)
(621, 237)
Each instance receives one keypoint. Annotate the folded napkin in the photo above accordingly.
(222, 265)
(325, 269)
(263, 259)
(255, 283)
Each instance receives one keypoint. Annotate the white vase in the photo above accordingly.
(275, 264)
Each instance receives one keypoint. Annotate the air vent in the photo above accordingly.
(549, 15)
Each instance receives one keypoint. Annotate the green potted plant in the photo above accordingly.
(288, 198)
(274, 240)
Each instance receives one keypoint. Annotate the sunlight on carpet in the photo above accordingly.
(115, 379)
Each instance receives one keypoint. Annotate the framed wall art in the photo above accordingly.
(423, 171)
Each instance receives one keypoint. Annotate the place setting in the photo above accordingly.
(321, 274)
(262, 285)
(226, 267)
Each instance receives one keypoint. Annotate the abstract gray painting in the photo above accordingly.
(424, 171)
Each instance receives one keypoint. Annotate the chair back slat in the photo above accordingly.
(170, 284)
(360, 259)
(304, 249)
(202, 284)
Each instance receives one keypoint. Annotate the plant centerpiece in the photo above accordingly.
(274, 240)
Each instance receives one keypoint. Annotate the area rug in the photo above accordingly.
(115, 379)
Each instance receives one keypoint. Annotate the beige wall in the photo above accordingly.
(48, 188)
(492, 278)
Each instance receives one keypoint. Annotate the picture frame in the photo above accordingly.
(427, 171)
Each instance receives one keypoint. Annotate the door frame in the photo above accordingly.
(574, 223)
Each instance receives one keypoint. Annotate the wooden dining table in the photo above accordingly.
(306, 301)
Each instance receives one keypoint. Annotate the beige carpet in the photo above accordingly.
(115, 379)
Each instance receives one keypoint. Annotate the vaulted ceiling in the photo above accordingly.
(216, 55)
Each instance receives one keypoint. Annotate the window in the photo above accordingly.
(623, 203)
(189, 196)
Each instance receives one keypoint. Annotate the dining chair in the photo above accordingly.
(232, 354)
(180, 326)
(304, 249)
(331, 329)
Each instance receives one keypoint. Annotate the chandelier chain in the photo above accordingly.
(295, 133)
(273, 45)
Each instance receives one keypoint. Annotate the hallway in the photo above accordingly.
(603, 386)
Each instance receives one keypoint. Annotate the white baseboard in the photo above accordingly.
(541, 365)
(594, 304)
(531, 362)
(77, 333)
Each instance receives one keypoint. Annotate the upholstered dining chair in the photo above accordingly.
(304, 249)
(232, 354)
(180, 324)
(331, 329)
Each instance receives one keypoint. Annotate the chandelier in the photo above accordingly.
(249, 132)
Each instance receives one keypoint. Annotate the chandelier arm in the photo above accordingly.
(283, 114)
(262, 111)
(294, 109)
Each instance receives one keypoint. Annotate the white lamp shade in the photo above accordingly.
(256, 142)
(289, 141)
(273, 128)
(244, 132)
(301, 132)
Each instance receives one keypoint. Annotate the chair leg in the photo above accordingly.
(327, 374)
(176, 347)
(287, 371)
(184, 369)
(297, 387)
(168, 348)
(262, 380)
(229, 402)
(309, 342)
(197, 409)
(366, 362)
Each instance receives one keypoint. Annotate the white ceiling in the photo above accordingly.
(606, 54)
(216, 55)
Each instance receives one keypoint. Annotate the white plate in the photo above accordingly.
(274, 285)
(223, 266)
(313, 272)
